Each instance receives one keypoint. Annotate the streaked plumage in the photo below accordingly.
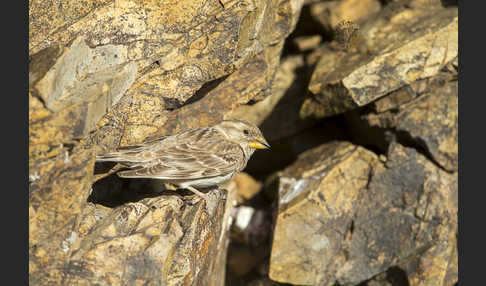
(200, 157)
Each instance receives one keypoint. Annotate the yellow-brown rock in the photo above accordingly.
(278, 114)
(432, 119)
(151, 241)
(317, 198)
(247, 187)
(306, 43)
(109, 74)
(58, 190)
(177, 47)
(330, 13)
(381, 210)
(395, 49)
(424, 115)
(345, 217)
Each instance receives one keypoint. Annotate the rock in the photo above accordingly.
(161, 239)
(330, 13)
(247, 187)
(306, 43)
(397, 55)
(432, 120)
(215, 102)
(317, 196)
(92, 79)
(178, 48)
(410, 184)
(278, 114)
(58, 190)
(361, 113)
(111, 74)
(426, 118)
(344, 216)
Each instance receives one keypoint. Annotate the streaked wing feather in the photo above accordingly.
(192, 155)
(135, 154)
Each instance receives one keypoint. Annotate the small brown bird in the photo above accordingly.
(200, 157)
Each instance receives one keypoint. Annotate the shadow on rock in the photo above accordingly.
(113, 191)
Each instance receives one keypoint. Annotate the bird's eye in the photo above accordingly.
(246, 132)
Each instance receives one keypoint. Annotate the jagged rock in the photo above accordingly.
(317, 196)
(90, 79)
(278, 114)
(154, 68)
(401, 47)
(155, 240)
(58, 190)
(330, 13)
(413, 206)
(432, 120)
(424, 117)
(344, 216)
(306, 43)
(247, 187)
(177, 47)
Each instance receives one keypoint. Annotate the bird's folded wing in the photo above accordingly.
(192, 160)
(134, 153)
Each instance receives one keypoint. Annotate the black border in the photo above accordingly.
(15, 146)
(471, 140)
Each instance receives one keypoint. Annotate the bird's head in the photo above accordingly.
(245, 133)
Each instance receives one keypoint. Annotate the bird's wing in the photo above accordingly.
(195, 154)
(133, 155)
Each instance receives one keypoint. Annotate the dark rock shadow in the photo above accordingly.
(113, 191)
(393, 276)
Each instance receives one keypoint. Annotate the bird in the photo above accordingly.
(195, 158)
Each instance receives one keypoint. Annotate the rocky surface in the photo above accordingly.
(358, 99)
(344, 216)
(108, 74)
(388, 55)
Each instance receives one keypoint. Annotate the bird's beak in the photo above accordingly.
(260, 143)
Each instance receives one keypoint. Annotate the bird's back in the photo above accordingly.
(190, 155)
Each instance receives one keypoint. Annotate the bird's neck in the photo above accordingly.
(246, 149)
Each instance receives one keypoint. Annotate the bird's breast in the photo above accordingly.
(208, 182)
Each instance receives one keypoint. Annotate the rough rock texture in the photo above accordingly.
(344, 216)
(177, 48)
(152, 242)
(247, 187)
(330, 13)
(424, 115)
(433, 119)
(58, 191)
(359, 104)
(393, 51)
(105, 74)
(316, 200)
(278, 114)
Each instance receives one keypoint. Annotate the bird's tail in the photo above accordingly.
(130, 153)
(126, 154)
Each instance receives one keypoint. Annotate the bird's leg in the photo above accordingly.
(195, 191)
(210, 204)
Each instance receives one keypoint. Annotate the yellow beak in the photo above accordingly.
(260, 144)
